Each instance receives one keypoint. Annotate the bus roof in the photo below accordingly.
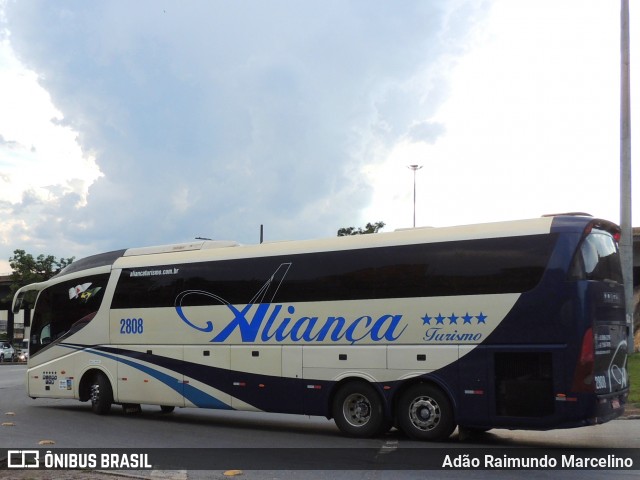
(222, 250)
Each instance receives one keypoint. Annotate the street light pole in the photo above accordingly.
(626, 239)
(414, 168)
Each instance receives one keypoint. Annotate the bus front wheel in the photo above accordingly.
(424, 413)
(101, 394)
(357, 410)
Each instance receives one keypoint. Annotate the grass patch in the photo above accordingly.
(633, 367)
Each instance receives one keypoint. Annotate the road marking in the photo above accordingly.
(149, 475)
(389, 446)
(169, 474)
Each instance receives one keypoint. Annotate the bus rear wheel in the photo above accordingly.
(101, 394)
(357, 410)
(424, 413)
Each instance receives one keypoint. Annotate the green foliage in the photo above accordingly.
(370, 228)
(26, 269)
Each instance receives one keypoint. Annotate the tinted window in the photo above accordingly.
(93, 261)
(65, 307)
(473, 267)
(597, 259)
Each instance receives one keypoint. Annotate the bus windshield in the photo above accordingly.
(65, 307)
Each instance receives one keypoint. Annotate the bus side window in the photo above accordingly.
(45, 335)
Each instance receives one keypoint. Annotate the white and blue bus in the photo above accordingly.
(515, 324)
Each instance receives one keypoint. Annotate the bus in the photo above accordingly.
(518, 324)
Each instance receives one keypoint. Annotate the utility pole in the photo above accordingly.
(414, 168)
(626, 239)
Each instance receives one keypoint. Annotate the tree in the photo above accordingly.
(26, 269)
(370, 228)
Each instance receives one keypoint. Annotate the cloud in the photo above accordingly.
(41, 161)
(10, 144)
(211, 118)
(426, 131)
(531, 126)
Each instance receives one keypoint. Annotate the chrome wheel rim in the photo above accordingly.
(95, 393)
(424, 413)
(356, 410)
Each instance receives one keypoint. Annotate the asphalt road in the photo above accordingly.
(69, 424)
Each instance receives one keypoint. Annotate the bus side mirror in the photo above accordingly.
(17, 303)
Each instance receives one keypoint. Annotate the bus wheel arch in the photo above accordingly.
(96, 387)
(358, 408)
(425, 411)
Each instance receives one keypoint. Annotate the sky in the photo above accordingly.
(126, 124)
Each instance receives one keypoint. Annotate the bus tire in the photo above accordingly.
(357, 410)
(424, 413)
(167, 408)
(101, 394)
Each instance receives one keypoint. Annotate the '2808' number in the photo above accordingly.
(130, 326)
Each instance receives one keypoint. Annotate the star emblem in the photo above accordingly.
(467, 318)
(481, 318)
(426, 320)
(453, 319)
(440, 319)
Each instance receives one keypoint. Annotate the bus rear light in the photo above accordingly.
(583, 378)
(586, 354)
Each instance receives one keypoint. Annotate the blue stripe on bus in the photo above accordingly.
(191, 393)
(285, 395)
